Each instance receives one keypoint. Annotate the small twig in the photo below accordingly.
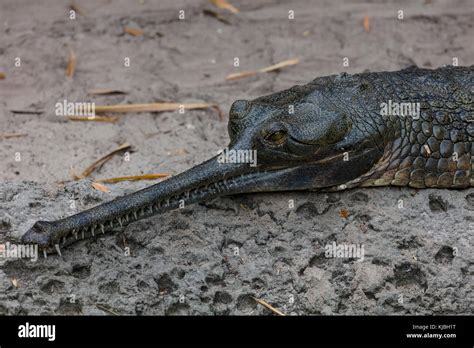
(225, 5)
(366, 24)
(265, 304)
(134, 178)
(100, 187)
(133, 31)
(105, 91)
(100, 162)
(71, 65)
(105, 309)
(267, 69)
(27, 112)
(150, 107)
(12, 135)
(279, 65)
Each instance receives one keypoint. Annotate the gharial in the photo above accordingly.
(335, 133)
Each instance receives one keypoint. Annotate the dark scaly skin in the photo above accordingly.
(326, 135)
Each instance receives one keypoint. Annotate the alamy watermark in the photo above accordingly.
(237, 156)
(66, 108)
(19, 251)
(400, 109)
(354, 251)
(28, 330)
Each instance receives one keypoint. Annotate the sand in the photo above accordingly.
(214, 257)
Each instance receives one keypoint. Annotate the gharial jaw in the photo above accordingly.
(203, 182)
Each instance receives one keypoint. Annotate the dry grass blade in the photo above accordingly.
(27, 112)
(366, 24)
(267, 69)
(135, 178)
(110, 119)
(265, 304)
(105, 91)
(224, 5)
(240, 75)
(99, 187)
(151, 107)
(71, 64)
(280, 65)
(101, 161)
(133, 31)
(12, 135)
(2, 76)
(105, 309)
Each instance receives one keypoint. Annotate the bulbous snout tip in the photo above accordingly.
(39, 233)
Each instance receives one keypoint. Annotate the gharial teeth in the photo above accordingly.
(102, 228)
(45, 254)
(92, 231)
(57, 249)
(82, 233)
(120, 221)
(135, 215)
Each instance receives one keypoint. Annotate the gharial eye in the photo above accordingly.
(277, 137)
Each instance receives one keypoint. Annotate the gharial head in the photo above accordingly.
(295, 128)
(291, 126)
(296, 139)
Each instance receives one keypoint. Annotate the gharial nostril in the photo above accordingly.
(239, 108)
(41, 226)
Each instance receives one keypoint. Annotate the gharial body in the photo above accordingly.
(336, 132)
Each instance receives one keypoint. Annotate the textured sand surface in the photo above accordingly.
(418, 259)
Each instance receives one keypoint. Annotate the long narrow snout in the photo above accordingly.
(214, 177)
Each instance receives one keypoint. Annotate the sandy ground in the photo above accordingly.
(418, 259)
